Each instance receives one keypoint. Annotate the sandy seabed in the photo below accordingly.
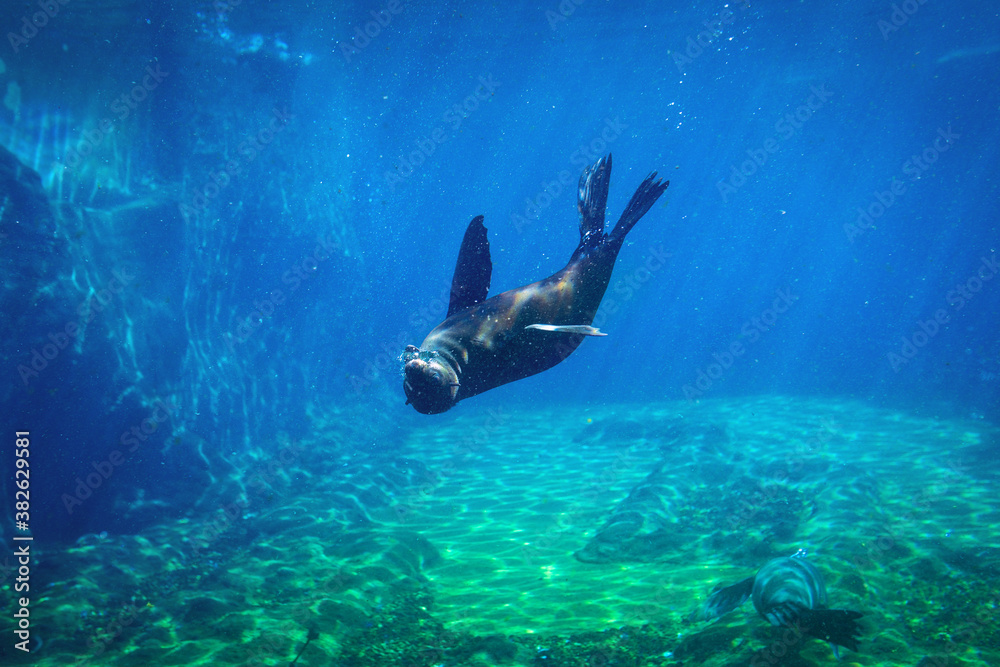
(560, 537)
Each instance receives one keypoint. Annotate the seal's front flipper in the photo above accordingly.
(725, 600)
(837, 626)
(474, 269)
(584, 329)
(643, 199)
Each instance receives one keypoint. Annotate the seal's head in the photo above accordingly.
(429, 380)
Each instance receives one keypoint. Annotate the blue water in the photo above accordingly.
(858, 293)
(221, 222)
(304, 270)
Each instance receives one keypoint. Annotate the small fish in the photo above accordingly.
(584, 329)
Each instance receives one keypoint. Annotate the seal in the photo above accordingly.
(789, 593)
(485, 343)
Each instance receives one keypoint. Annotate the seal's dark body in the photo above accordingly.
(490, 341)
(483, 343)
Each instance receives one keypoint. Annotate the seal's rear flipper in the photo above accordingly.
(725, 600)
(643, 199)
(837, 626)
(473, 270)
(592, 199)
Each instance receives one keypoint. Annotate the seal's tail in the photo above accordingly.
(643, 199)
(837, 626)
